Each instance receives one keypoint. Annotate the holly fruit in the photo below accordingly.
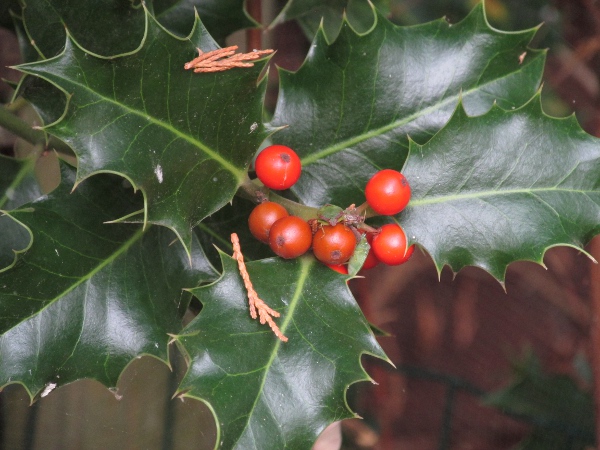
(278, 167)
(262, 218)
(340, 268)
(387, 192)
(334, 244)
(290, 237)
(371, 260)
(390, 245)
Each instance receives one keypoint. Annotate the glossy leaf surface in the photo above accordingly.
(184, 139)
(267, 394)
(215, 232)
(46, 22)
(501, 187)
(220, 17)
(352, 104)
(87, 297)
(329, 14)
(17, 186)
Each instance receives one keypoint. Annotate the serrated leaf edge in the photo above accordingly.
(320, 39)
(534, 102)
(70, 41)
(307, 262)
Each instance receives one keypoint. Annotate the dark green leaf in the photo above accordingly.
(28, 51)
(358, 257)
(352, 104)
(86, 21)
(17, 186)
(329, 14)
(267, 394)
(502, 187)
(48, 101)
(87, 297)
(184, 139)
(216, 231)
(46, 22)
(220, 17)
(330, 214)
(17, 182)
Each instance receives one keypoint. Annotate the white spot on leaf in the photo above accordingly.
(49, 388)
(159, 173)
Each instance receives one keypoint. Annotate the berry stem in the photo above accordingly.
(255, 191)
(366, 210)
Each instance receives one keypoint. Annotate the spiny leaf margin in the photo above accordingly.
(86, 298)
(212, 153)
(283, 392)
(349, 108)
(474, 204)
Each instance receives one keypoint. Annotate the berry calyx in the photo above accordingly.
(262, 218)
(390, 245)
(290, 237)
(334, 244)
(387, 192)
(278, 167)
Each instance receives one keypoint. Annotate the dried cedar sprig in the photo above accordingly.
(255, 303)
(223, 59)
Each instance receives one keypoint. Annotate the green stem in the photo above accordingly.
(253, 190)
(366, 210)
(34, 136)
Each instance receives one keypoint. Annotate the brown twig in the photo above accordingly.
(595, 328)
(223, 59)
(254, 35)
(255, 303)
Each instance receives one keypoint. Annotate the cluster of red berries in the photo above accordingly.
(333, 238)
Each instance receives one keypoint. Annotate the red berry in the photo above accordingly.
(278, 167)
(390, 245)
(262, 218)
(290, 237)
(371, 260)
(334, 244)
(387, 192)
(340, 268)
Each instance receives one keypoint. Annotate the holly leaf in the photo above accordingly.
(330, 213)
(215, 232)
(47, 21)
(87, 297)
(359, 256)
(351, 106)
(329, 15)
(265, 393)
(17, 186)
(502, 187)
(17, 182)
(184, 139)
(220, 17)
